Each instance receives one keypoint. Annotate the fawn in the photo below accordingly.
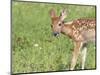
(81, 31)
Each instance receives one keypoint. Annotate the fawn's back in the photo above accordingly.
(82, 29)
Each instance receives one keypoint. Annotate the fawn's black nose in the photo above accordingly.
(55, 33)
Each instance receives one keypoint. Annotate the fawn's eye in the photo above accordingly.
(60, 24)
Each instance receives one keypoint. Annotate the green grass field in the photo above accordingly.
(34, 48)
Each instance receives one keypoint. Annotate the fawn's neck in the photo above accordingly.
(67, 30)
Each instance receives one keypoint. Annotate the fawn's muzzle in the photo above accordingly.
(55, 33)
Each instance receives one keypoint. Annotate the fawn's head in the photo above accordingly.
(57, 21)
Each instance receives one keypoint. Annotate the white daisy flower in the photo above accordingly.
(36, 45)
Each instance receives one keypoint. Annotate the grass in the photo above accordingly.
(34, 49)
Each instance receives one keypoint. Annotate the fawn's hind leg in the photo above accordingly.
(83, 56)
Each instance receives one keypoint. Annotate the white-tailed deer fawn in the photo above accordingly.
(81, 31)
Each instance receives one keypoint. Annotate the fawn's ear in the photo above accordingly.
(52, 13)
(63, 14)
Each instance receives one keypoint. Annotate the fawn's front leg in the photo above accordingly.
(77, 47)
